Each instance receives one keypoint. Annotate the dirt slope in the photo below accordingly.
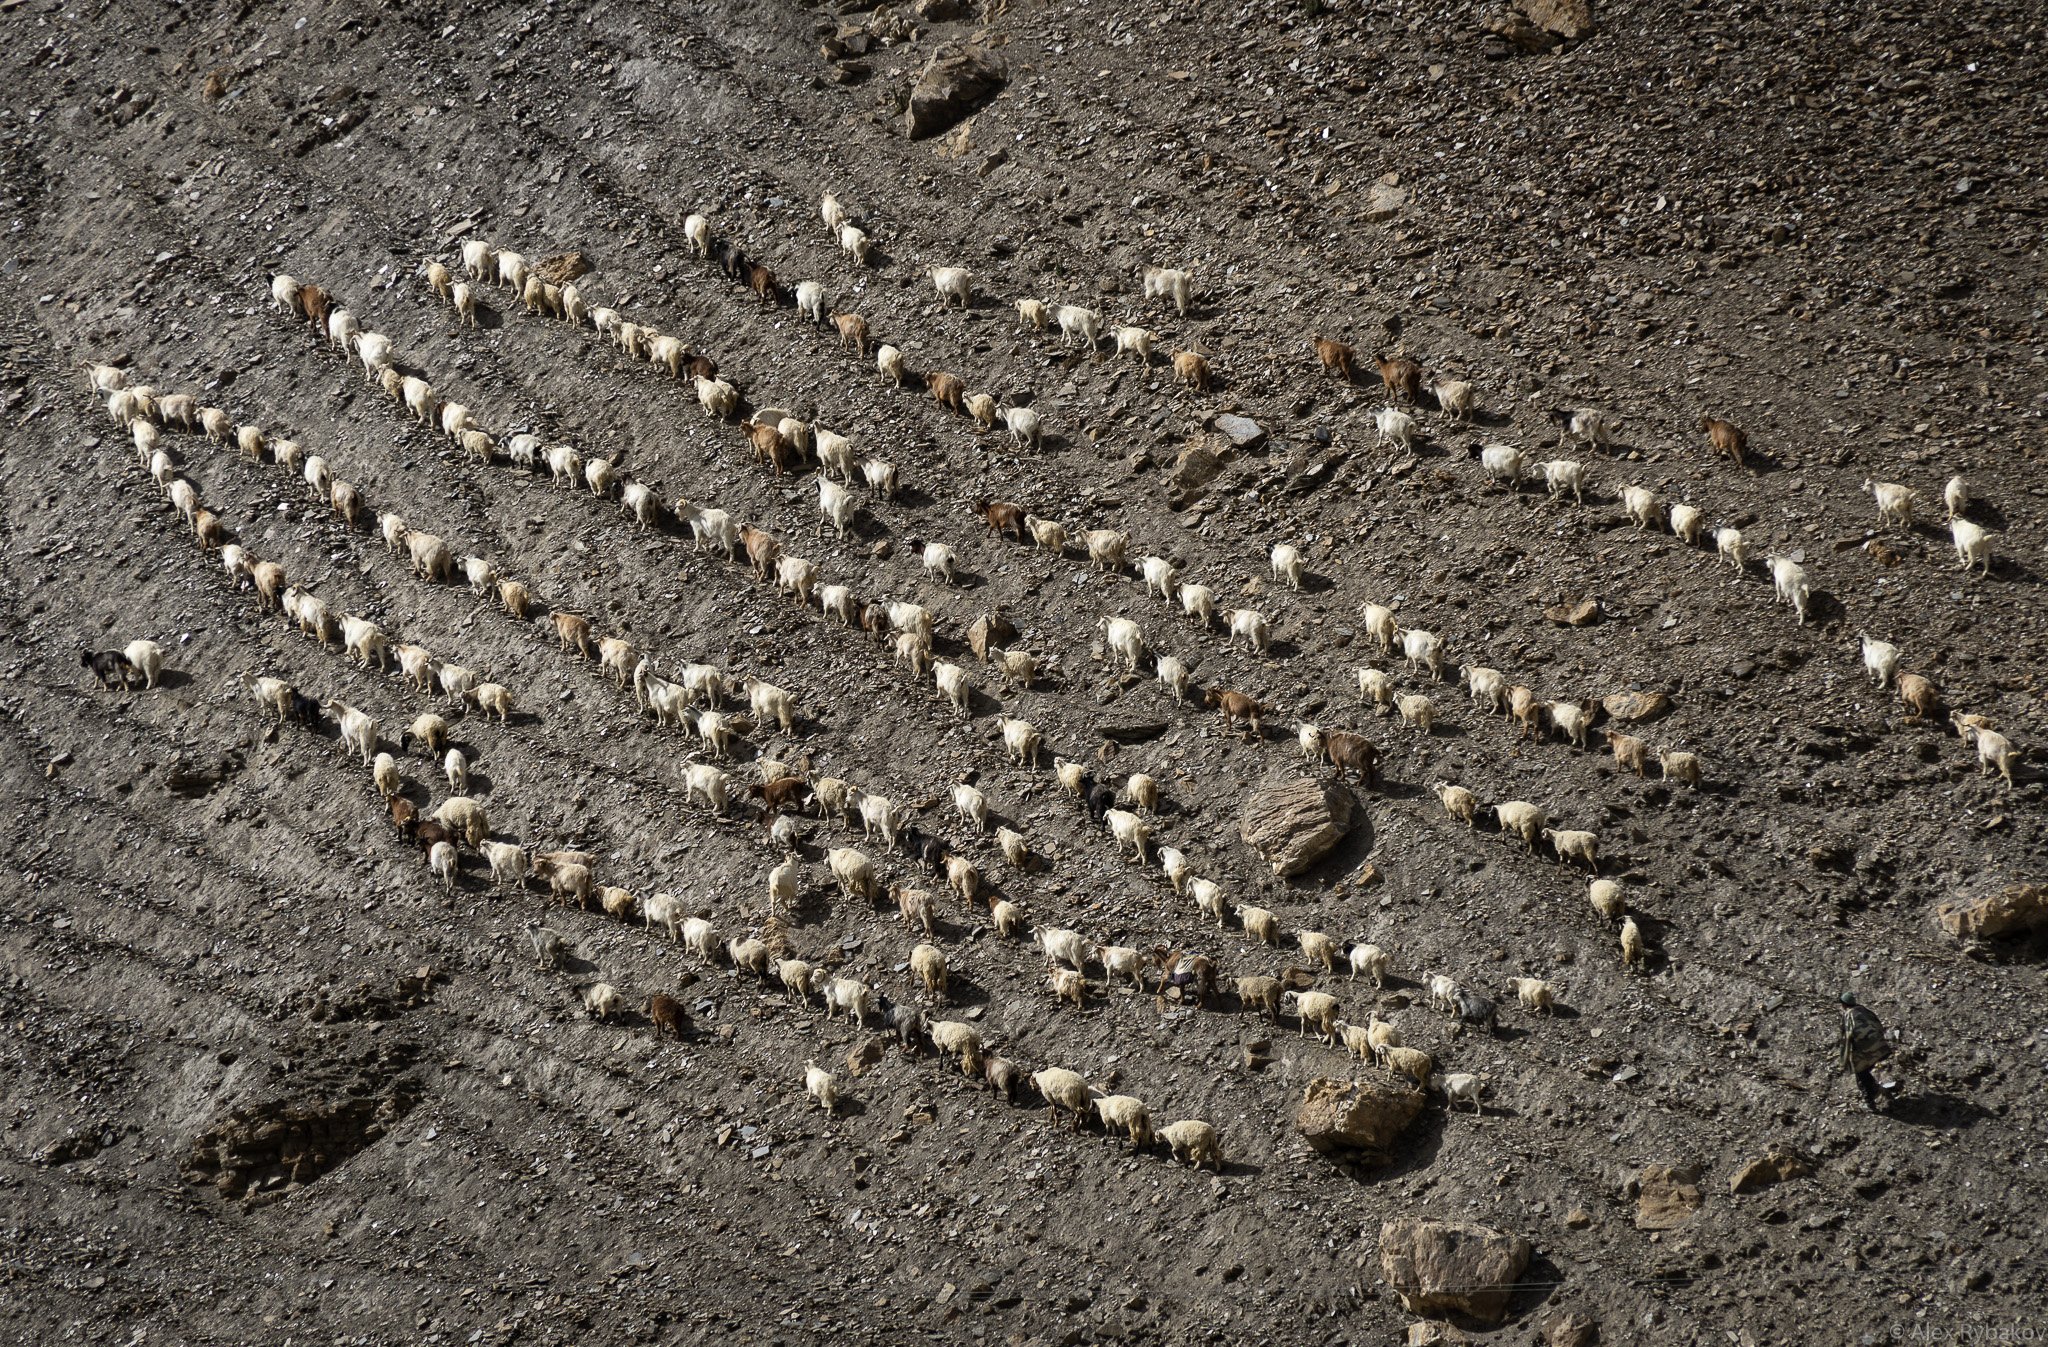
(227, 977)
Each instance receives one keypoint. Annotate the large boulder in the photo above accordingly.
(1571, 20)
(2013, 910)
(1666, 1196)
(955, 84)
(1293, 823)
(1452, 1267)
(1356, 1119)
(1779, 1165)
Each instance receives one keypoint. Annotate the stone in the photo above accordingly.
(563, 268)
(1294, 822)
(1384, 200)
(1452, 1267)
(1241, 431)
(1571, 20)
(1777, 1166)
(956, 82)
(1139, 732)
(938, 11)
(1636, 707)
(1572, 1328)
(1356, 1119)
(990, 631)
(2011, 911)
(1667, 1196)
(1195, 468)
(1517, 32)
(864, 1055)
(1584, 613)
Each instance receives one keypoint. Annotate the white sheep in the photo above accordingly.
(1123, 639)
(1127, 1114)
(1565, 474)
(856, 998)
(1395, 427)
(1169, 283)
(820, 1085)
(1016, 850)
(1729, 545)
(889, 361)
(1642, 506)
(1788, 580)
(1994, 750)
(953, 283)
(769, 702)
(1972, 544)
(1894, 502)
(1250, 626)
(1521, 818)
(1504, 463)
(601, 1000)
(1458, 802)
(1574, 844)
(855, 871)
(147, 658)
(1129, 831)
(1105, 548)
(1310, 739)
(1417, 711)
(358, 729)
(1880, 659)
(1285, 561)
(510, 865)
(1175, 867)
(1062, 945)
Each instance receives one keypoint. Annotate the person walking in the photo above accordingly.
(1863, 1046)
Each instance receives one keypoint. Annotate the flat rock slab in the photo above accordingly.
(1294, 823)
(1452, 1267)
(955, 84)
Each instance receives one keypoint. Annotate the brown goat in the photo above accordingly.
(1726, 437)
(1179, 968)
(762, 549)
(1192, 371)
(206, 526)
(1235, 707)
(1401, 375)
(1337, 358)
(573, 631)
(947, 389)
(780, 794)
(1350, 752)
(428, 831)
(1629, 751)
(1003, 516)
(316, 303)
(1920, 696)
(405, 816)
(665, 1013)
(852, 328)
(762, 282)
(701, 367)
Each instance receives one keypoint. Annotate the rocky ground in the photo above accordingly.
(268, 1080)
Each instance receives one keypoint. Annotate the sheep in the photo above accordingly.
(1642, 506)
(1687, 522)
(1956, 495)
(565, 465)
(1375, 686)
(429, 555)
(1422, 647)
(1078, 323)
(854, 870)
(1210, 899)
(1169, 283)
(494, 699)
(1401, 376)
(820, 1085)
(1880, 659)
(1918, 695)
(1972, 544)
(1395, 427)
(1575, 845)
(795, 977)
(1788, 580)
(509, 863)
(1894, 502)
(1260, 991)
(1008, 919)
(1063, 1089)
(1728, 545)
(856, 998)
(445, 862)
(1123, 639)
(1370, 960)
(462, 815)
(1458, 802)
(1129, 830)
(1605, 897)
(1357, 1039)
(1416, 1065)
(1067, 985)
(1994, 750)
(1503, 462)
(702, 781)
(1105, 548)
(1250, 626)
(1453, 397)
(1192, 371)
(1635, 951)
(1318, 1009)
(219, 426)
(426, 728)
(1128, 1114)
(1021, 739)
(1025, 426)
(364, 640)
(1535, 994)
(701, 938)
(1136, 340)
(953, 1038)
(889, 361)
(718, 398)
(104, 378)
(1416, 710)
(1143, 792)
(1565, 474)
(1521, 818)
(1725, 437)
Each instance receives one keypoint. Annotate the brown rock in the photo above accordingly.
(957, 82)
(2015, 909)
(1571, 20)
(1294, 822)
(1358, 1118)
(1573, 1328)
(1584, 613)
(1775, 1168)
(563, 268)
(1196, 467)
(1667, 1196)
(1453, 1267)
(1518, 32)
(1636, 707)
(864, 1055)
(990, 631)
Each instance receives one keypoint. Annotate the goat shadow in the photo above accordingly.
(1938, 1111)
